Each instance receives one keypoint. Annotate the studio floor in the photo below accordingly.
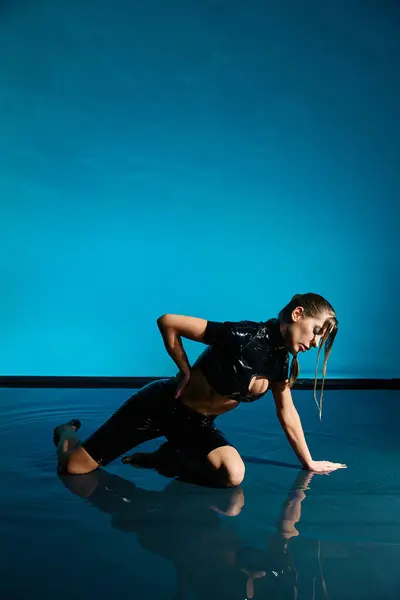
(128, 532)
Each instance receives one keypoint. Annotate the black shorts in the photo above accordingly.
(150, 413)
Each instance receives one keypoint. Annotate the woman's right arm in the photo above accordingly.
(172, 329)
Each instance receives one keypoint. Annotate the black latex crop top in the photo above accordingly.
(237, 351)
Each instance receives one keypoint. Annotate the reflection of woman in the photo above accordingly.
(206, 552)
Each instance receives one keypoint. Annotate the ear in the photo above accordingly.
(297, 313)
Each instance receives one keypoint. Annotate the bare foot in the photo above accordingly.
(74, 424)
(147, 460)
(163, 460)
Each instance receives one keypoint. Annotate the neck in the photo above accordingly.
(284, 327)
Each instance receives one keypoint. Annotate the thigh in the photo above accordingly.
(194, 434)
(205, 448)
(136, 421)
(208, 454)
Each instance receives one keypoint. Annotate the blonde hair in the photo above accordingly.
(314, 305)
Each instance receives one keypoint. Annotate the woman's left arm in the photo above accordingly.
(291, 424)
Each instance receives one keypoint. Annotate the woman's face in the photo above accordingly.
(304, 333)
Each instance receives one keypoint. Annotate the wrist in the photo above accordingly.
(308, 464)
(186, 371)
(183, 373)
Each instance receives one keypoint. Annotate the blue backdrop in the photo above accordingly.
(209, 158)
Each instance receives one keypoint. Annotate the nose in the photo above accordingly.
(315, 341)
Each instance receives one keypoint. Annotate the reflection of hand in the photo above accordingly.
(302, 480)
(252, 575)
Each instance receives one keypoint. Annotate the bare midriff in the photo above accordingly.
(201, 397)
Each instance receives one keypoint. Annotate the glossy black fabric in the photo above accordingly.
(150, 413)
(240, 350)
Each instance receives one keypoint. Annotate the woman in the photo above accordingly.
(243, 359)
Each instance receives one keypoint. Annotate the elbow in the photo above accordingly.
(165, 324)
(161, 320)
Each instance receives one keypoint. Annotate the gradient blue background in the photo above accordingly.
(209, 158)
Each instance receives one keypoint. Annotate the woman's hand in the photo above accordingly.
(183, 380)
(324, 466)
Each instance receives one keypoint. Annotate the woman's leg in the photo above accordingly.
(135, 422)
(222, 467)
(165, 460)
(205, 449)
(71, 458)
(202, 452)
(227, 466)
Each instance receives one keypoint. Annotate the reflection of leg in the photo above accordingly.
(235, 505)
(132, 507)
(82, 486)
(252, 576)
(110, 493)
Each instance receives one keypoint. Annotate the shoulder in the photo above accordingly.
(280, 372)
(225, 332)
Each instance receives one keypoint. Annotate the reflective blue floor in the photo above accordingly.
(134, 533)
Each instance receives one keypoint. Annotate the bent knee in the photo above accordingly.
(235, 474)
(79, 463)
(228, 465)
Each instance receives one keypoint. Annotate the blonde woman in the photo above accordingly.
(242, 361)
